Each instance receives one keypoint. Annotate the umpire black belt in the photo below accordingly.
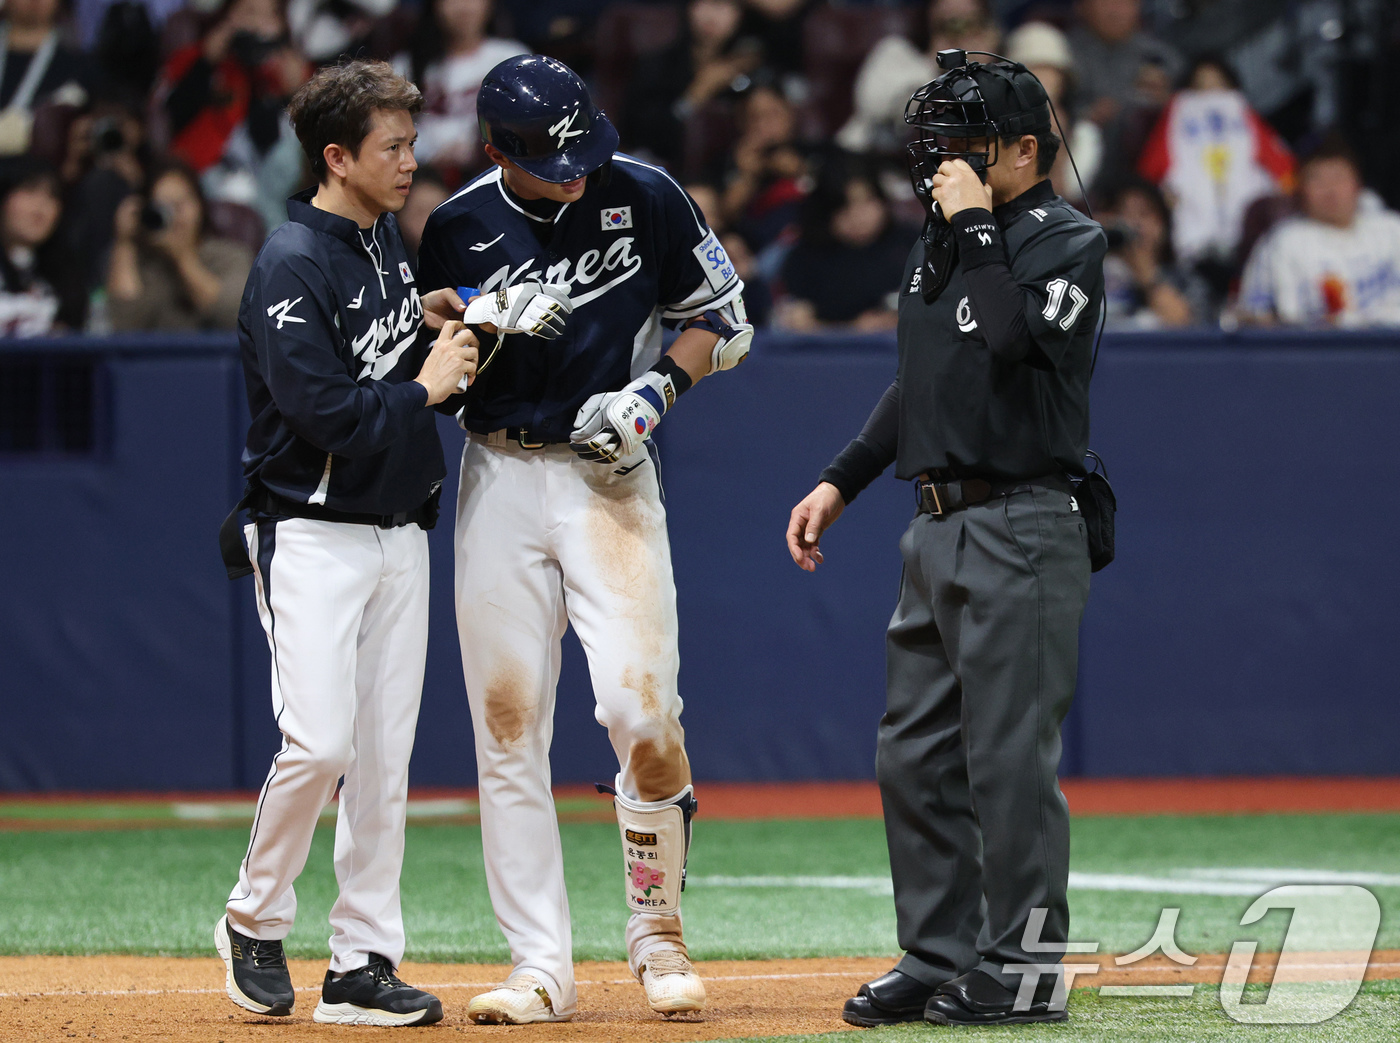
(940, 498)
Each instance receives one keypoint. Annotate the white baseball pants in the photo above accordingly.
(345, 608)
(545, 539)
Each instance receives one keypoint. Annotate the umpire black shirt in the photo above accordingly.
(993, 377)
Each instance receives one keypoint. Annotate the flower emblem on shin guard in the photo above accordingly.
(644, 878)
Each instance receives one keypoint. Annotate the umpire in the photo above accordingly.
(988, 417)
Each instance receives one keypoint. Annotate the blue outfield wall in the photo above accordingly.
(1248, 626)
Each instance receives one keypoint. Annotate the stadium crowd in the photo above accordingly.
(1238, 151)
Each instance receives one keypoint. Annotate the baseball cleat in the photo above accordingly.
(671, 983)
(257, 978)
(374, 995)
(519, 1000)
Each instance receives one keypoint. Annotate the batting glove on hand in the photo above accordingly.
(614, 424)
(531, 307)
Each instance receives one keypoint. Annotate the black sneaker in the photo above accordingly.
(257, 972)
(373, 995)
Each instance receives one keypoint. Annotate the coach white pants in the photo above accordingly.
(345, 608)
(545, 539)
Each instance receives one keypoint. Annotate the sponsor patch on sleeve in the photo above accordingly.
(718, 269)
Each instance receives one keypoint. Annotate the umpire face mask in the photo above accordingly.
(964, 114)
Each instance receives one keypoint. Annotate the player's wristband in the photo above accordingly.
(670, 368)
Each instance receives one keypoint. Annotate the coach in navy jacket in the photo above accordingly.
(348, 429)
(343, 463)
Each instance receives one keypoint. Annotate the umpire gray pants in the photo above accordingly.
(982, 653)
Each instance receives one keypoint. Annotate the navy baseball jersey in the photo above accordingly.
(633, 252)
(331, 328)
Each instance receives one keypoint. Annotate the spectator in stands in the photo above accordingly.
(710, 59)
(778, 23)
(758, 298)
(449, 55)
(1122, 76)
(846, 266)
(429, 190)
(1044, 50)
(35, 69)
(562, 29)
(707, 198)
(896, 67)
(763, 184)
(323, 30)
(106, 161)
(224, 99)
(167, 272)
(1144, 286)
(1336, 263)
(34, 276)
(1110, 48)
(1213, 155)
(126, 53)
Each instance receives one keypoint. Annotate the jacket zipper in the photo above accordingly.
(371, 248)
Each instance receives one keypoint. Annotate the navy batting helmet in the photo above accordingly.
(538, 113)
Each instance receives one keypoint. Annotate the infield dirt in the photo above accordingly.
(141, 998)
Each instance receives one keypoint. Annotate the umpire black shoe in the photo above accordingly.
(373, 995)
(257, 977)
(976, 998)
(888, 1000)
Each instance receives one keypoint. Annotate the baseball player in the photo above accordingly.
(344, 467)
(560, 517)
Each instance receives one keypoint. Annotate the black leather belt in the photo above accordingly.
(268, 503)
(941, 498)
(520, 436)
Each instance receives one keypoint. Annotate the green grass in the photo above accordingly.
(1371, 1018)
(160, 890)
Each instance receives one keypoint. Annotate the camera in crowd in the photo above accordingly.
(156, 218)
(1119, 235)
(107, 135)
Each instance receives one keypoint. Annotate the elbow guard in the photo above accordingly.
(730, 323)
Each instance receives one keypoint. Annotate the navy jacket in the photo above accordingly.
(331, 328)
(633, 252)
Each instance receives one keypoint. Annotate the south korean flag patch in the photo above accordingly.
(405, 272)
(617, 217)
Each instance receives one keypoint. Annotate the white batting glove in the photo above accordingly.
(615, 424)
(531, 307)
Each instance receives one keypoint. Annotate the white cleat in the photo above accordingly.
(520, 1000)
(672, 985)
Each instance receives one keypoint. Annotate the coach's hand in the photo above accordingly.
(451, 365)
(810, 518)
(957, 187)
(442, 306)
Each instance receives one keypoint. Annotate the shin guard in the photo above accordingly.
(655, 844)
